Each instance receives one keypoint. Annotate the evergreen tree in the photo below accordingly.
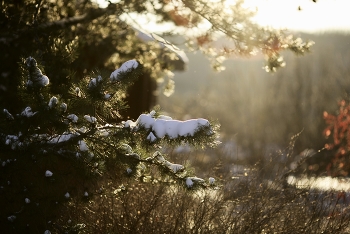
(60, 127)
(51, 132)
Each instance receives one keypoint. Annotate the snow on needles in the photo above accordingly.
(53, 102)
(48, 173)
(165, 126)
(8, 114)
(37, 79)
(73, 118)
(90, 119)
(83, 146)
(28, 112)
(126, 67)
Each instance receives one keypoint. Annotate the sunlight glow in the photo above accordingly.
(321, 183)
(298, 15)
(330, 15)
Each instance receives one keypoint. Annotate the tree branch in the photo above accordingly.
(60, 24)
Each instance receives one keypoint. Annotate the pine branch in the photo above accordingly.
(61, 24)
(233, 33)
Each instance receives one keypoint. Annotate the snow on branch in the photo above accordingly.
(128, 66)
(86, 138)
(90, 119)
(94, 82)
(62, 23)
(8, 115)
(28, 112)
(158, 157)
(36, 77)
(165, 126)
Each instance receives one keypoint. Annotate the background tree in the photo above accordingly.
(61, 99)
(86, 37)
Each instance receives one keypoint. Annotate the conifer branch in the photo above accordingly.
(92, 14)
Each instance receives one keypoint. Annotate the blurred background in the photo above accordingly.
(261, 111)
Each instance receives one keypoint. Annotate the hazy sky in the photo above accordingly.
(322, 16)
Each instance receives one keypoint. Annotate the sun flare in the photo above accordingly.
(304, 15)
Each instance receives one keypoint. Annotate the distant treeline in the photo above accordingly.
(261, 109)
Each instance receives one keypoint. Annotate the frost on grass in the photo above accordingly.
(126, 67)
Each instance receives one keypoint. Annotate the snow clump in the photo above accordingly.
(13, 141)
(211, 180)
(90, 119)
(62, 138)
(126, 67)
(8, 114)
(37, 79)
(28, 112)
(151, 137)
(189, 182)
(63, 107)
(82, 146)
(48, 173)
(129, 124)
(95, 82)
(11, 218)
(78, 92)
(174, 167)
(165, 126)
(107, 96)
(73, 118)
(53, 102)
